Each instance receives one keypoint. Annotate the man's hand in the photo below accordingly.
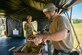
(39, 39)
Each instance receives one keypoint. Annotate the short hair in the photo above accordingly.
(28, 16)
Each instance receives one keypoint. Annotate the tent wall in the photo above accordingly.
(14, 24)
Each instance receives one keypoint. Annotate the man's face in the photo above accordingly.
(47, 14)
(30, 19)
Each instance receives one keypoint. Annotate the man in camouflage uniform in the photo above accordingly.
(28, 26)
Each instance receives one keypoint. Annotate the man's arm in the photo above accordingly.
(25, 26)
(58, 36)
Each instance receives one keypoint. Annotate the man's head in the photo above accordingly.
(29, 18)
(49, 10)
